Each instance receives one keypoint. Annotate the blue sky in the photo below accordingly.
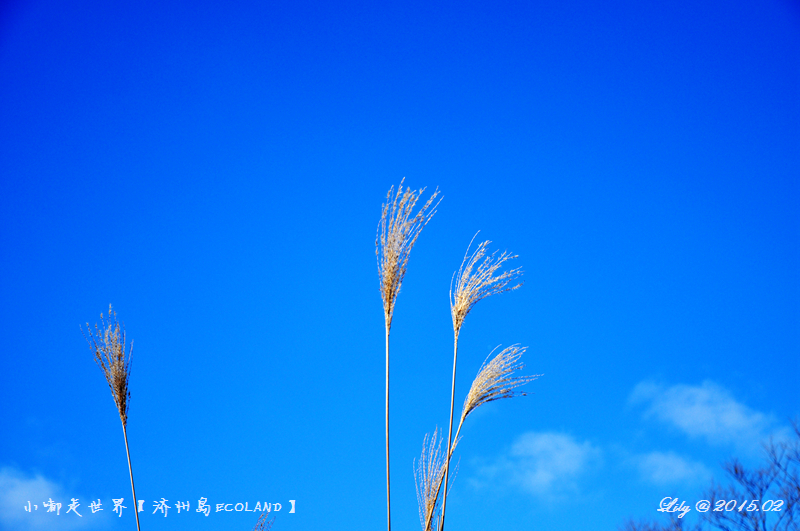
(216, 172)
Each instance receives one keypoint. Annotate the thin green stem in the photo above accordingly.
(388, 497)
(130, 469)
(450, 431)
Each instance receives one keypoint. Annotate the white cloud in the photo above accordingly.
(705, 410)
(669, 468)
(17, 489)
(544, 464)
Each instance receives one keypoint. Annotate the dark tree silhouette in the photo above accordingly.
(777, 480)
(675, 524)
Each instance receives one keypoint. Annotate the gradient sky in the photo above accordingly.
(216, 172)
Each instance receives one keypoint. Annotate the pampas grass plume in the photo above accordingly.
(398, 231)
(476, 280)
(108, 345)
(494, 380)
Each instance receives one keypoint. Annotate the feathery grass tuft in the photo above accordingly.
(428, 476)
(494, 382)
(108, 346)
(478, 277)
(397, 233)
(475, 281)
(264, 523)
(109, 353)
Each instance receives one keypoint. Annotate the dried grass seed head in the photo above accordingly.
(494, 380)
(398, 231)
(108, 344)
(264, 523)
(476, 279)
(428, 477)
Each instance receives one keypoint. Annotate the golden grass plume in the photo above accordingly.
(398, 231)
(494, 380)
(108, 345)
(428, 476)
(476, 280)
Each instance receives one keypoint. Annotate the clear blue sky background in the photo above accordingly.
(217, 171)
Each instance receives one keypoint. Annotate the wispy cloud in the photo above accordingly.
(17, 489)
(543, 464)
(668, 468)
(707, 410)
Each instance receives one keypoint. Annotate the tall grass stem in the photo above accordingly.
(111, 356)
(130, 470)
(398, 230)
(476, 279)
(388, 496)
(450, 432)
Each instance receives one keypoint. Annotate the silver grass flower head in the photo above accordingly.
(108, 344)
(264, 523)
(477, 279)
(428, 477)
(398, 231)
(494, 380)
